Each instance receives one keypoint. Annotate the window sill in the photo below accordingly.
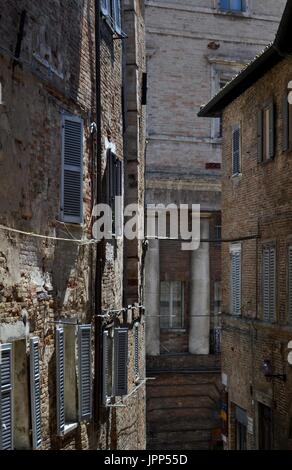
(267, 161)
(70, 427)
(238, 14)
(173, 330)
(236, 175)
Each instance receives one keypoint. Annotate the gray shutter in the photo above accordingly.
(260, 135)
(105, 366)
(117, 16)
(266, 284)
(84, 353)
(272, 273)
(72, 182)
(60, 380)
(6, 436)
(272, 130)
(35, 390)
(290, 284)
(121, 361)
(105, 7)
(136, 350)
(236, 151)
(285, 123)
(236, 282)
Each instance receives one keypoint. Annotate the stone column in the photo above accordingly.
(152, 299)
(199, 331)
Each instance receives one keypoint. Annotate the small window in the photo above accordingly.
(111, 9)
(290, 284)
(241, 428)
(171, 304)
(266, 133)
(236, 280)
(269, 283)
(236, 151)
(218, 235)
(232, 5)
(287, 122)
(114, 191)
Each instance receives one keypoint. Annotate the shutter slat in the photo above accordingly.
(236, 282)
(60, 357)
(136, 350)
(105, 366)
(85, 401)
(72, 169)
(121, 361)
(290, 284)
(35, 393)
(272, 272)
(271, 130)
(260, 136)
(6, 436)
(266, 284)
(236, 151)
(285, 123)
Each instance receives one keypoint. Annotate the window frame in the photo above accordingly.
(242, 11)
(170, 302)
(112, 14)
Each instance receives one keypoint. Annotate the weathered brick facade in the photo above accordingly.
(48, 69)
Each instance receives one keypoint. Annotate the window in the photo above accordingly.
(266, 133)
(114, 191)
(236, 280)
(265, 427)
(68, 395)
(236, 151)
(72, 173)
(111, 9)
(232, 5)
(171, 304)
(218, 234)
(287, 122)
(269, 283)
(136, 352)
(240, 428)
(115, 363)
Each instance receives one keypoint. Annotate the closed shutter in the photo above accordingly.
(285, 123)
(35, 390)
(105, 7)
(84, 353)
(271, 130)
(121, 361)
(272, 272)
(266, 283)
(224, 4)
(136, 350)
(6, 436)
(290, 284)
(117, 16)
(236, 151)
(236, 282)
(260, 135)
(72, 182)
(105, 366)
(60, 380)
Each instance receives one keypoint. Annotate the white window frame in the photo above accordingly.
(171, 327)
(111, 12)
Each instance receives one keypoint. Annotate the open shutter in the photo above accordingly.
(117, 16)
(72, 180)
(272, 272)
(266, 284)
(271, 130)
(236, 151)
(136, 350)
(105, 366)
(35, 390)
(105, 7)
(260, 135)
(121, 361)
(290, 284)
(285, 123)
(84, 353)
(60, 357)
(6, 437)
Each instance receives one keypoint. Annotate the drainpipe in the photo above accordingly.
(99, 245)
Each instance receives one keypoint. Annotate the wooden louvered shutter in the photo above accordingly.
(266, 284)
(136, 351)
(60, 380)
(236, 151)
(285, 123)
(272, 275)
(117, 16)
(72, 180)
(35, 390)
(121, 361)
(271, 130)
(105, 366)
(260, 135)
(290, 284)
(236, 282)
(84, 353)
(105, 7)
(6, 436)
